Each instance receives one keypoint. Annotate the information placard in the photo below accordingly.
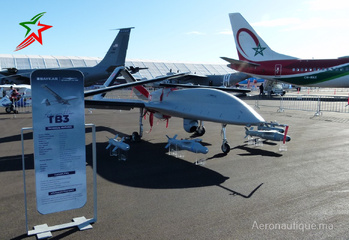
(59, 139)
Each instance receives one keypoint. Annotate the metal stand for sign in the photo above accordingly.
(44, 231)
(173, 150)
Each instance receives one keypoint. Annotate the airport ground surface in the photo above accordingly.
(251, 193)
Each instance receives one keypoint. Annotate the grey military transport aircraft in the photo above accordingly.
(115, 57)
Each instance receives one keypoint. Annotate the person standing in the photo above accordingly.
(261, 89)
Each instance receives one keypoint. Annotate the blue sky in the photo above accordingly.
(184, 31)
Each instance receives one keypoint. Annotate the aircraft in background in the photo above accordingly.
(134, 70)
(258, 59)
(115, 57)
(251, 82)
(193, 105)
(225, 82)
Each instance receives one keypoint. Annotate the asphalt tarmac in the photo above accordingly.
(254, 192)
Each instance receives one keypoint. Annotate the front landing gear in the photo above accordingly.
(225, 146)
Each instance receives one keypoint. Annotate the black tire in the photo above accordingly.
(201, 131)
(135, 137)
(225, 148)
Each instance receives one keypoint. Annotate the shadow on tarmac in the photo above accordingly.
(256, 151)
(64, 233)
(148, 166)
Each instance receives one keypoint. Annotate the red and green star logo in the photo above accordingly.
(259, 50)
(35, 28)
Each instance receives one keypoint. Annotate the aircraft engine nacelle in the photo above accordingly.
(190, 125)
(234, 78)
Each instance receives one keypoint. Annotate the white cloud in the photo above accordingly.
(225, 32)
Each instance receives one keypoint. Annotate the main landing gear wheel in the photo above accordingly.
(200, 131)
(225, 148)
(135, 137)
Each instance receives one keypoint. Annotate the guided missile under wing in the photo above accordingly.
(192, 145)
(272, 135)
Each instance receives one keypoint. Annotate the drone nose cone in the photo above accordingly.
(204, 150)
(256, 118)
(250, 117)
(245, 114)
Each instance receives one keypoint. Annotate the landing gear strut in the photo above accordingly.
(200, 131)
(135, 135)
(225, 146)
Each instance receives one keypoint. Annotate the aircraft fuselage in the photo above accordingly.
(203, 104)
(321, 73)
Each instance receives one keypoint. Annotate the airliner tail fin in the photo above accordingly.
(250, 46)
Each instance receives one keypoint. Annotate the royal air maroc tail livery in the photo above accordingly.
(258, 59)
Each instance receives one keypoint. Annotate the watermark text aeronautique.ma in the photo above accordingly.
(292, 226)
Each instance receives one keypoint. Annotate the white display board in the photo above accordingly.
(59, 139)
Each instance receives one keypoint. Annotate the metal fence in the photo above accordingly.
(315, 104)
